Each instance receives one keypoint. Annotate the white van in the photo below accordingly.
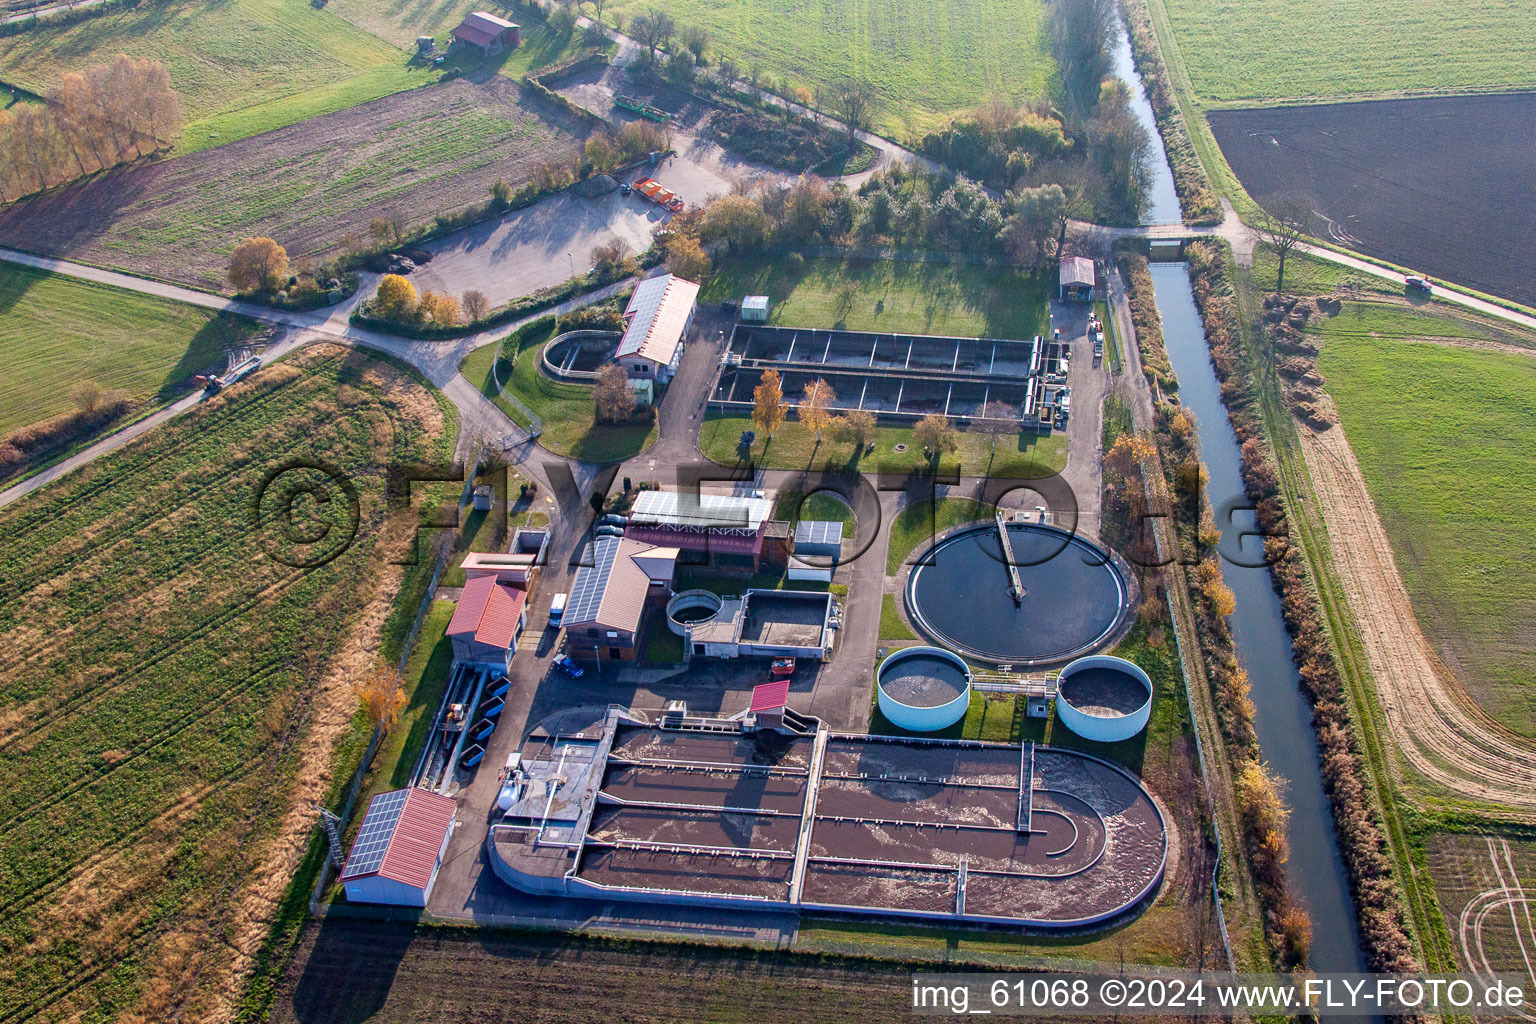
(557, 609)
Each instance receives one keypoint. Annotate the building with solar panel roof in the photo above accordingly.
(399, 848)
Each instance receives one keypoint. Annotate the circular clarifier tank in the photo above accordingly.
(1104, 698)
(924, 688)
(961, 594)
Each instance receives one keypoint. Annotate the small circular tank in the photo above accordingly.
(923, 689)
(1104, 698)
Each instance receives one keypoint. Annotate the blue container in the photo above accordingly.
(472, 756)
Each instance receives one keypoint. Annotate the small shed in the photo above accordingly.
(817, 537)
(768, 703)
(485, 497)
(1076, 279)
(487, 33)
(399, 848)
(754, 309)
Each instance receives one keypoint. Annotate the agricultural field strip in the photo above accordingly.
(266, 677)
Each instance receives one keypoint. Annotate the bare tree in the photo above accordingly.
(597, 11)
(613, 395)
(998, 420)
(855, 103)
(1282, 226)
(475, 304)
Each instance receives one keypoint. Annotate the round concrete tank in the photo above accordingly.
(1104, 698)
(922, 689)
(691, 607)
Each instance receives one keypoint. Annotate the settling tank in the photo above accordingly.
(1104, 698)
(923, 689)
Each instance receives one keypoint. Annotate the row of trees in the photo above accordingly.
(108, 115)
(396, 299)
(858, 427)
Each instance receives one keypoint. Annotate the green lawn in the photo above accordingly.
(868, 295)
(925, 60)
(55, 330)
(567, 410)
(1444, 437)
(794, 447)
(240, 66)
(921, 521)
(1246, 50)
(820, 506)
(892, 625)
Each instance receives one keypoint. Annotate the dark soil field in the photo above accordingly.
(1441, 185)
(348, 971)
(310, 186)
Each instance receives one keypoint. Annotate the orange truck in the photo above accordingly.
(665, 198)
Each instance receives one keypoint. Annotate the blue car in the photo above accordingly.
(565, 664)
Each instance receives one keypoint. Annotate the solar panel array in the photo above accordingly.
(591, 581)
(373, 838)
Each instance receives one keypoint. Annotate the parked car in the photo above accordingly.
(610, 531)
(557, 608)
(614, 519)
(567, 664)
(1414, 283)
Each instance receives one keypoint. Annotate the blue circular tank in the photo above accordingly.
(922, 689)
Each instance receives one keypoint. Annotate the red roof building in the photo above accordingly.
(399, 848)
(770, 696)
(487, 33)
(487, 622)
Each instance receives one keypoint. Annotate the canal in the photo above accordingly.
(1162, 197)
(1282, 715)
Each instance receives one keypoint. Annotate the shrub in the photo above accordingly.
(257, 265)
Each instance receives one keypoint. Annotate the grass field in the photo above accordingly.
(868, 295)
(794, 447)
(1247, 50)
(240, 66)
(311, 186)
(567, 410)
(171, 690)
(1444, 435)
(56, 330)
(925, 60)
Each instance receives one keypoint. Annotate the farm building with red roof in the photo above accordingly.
(487, 622)
(487, 33)
(399, 848)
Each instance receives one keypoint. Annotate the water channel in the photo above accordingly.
(1282, 713)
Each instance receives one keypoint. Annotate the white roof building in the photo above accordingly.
(658, 314)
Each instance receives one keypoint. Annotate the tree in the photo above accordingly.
(612, 261)
(613, 395)
(597, 11)
(387, 230)
(1081, 31)
(257, 265)
(998, 420)
(685, 257)
(768, 403)
(739, 221)
(695, 40)
(440, 309)
(1282, 226)
(653, 29)
(562, 20)
(475, 304)
(395, 299)
(816, 405)
(87, 395)
(1036, 215)
(382, 695)
(855, 103)
(857, 427)
(936, 434)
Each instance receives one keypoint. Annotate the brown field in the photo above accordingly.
(383, 973)
(1484, 883)
(311, 186)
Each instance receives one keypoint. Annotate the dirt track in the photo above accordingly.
(1434, 722)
